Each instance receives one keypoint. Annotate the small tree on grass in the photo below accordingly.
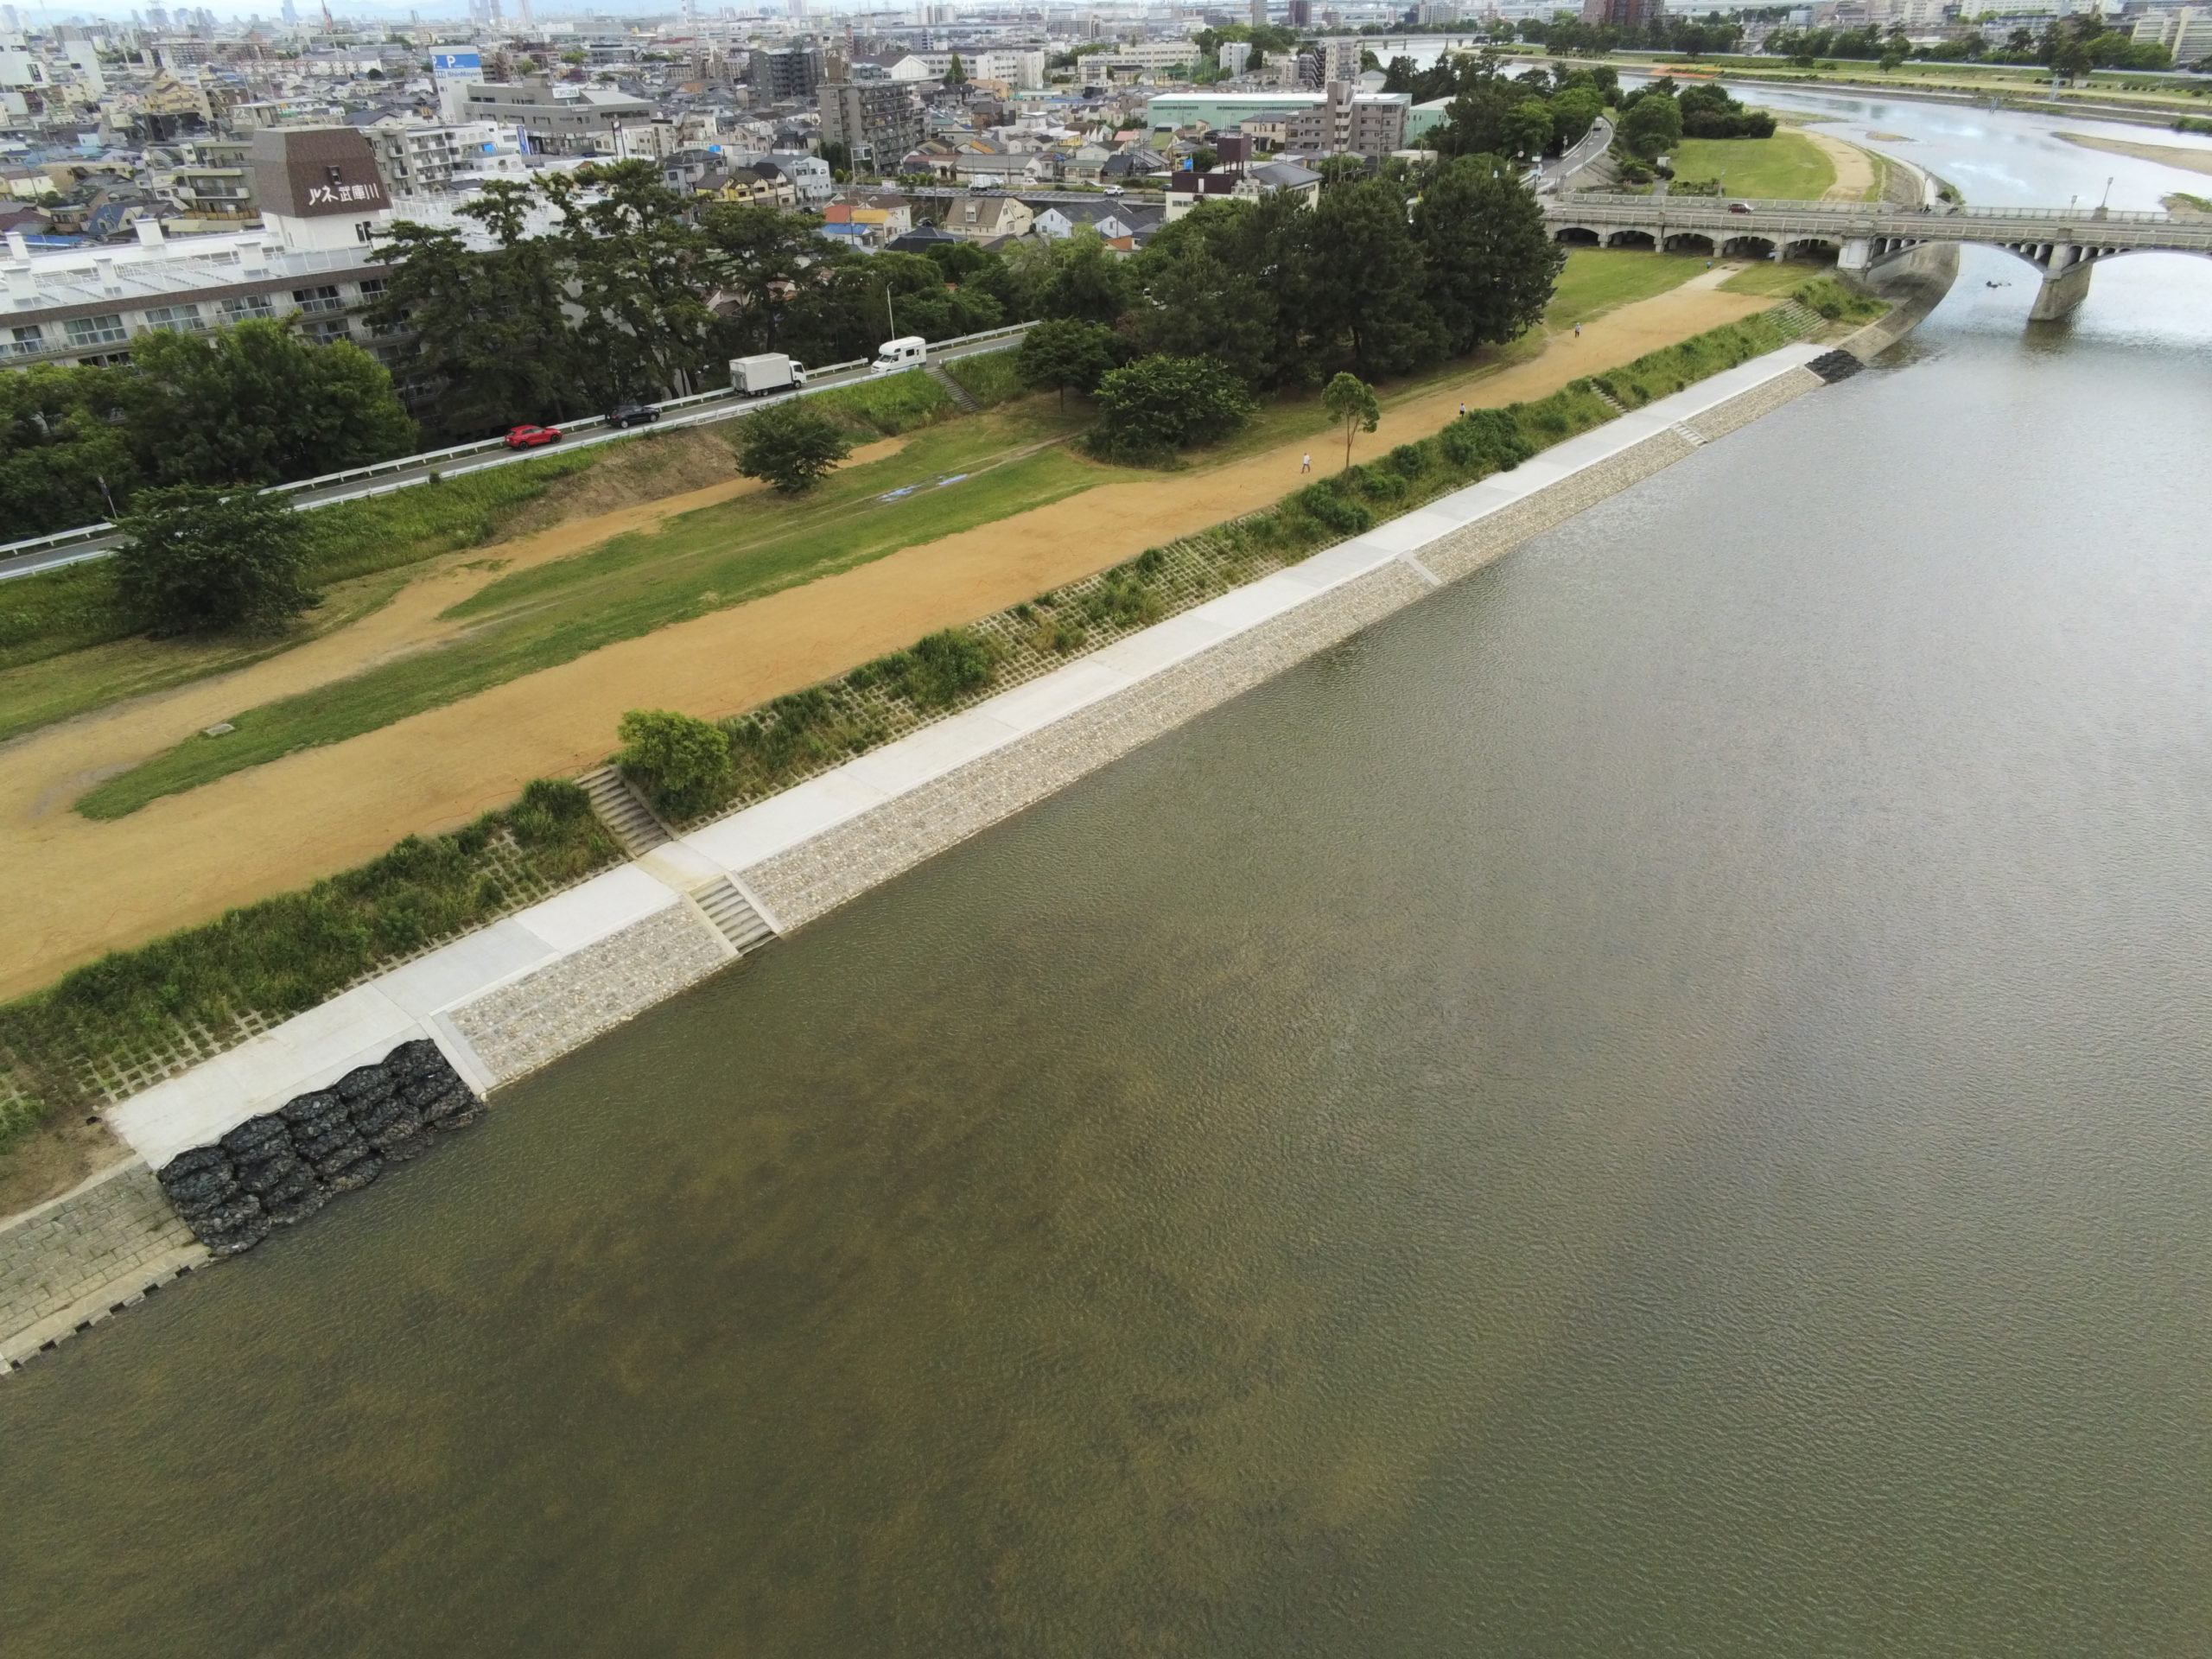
(1351, 400)
(1159, 405)
(680, 760)
(201, 560)
(791, 445)
(1065, 353)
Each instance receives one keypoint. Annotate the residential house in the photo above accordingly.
(987, 219)
(1061, 219)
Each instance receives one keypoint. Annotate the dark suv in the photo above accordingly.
(633, 414)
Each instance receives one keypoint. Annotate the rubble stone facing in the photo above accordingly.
(541, 1017)
(1464, 551)
(72, 1260)
(1747, 406)
(841, 864)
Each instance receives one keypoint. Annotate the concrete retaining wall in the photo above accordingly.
(517, 995)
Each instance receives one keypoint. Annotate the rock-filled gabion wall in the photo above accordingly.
(282, 1166)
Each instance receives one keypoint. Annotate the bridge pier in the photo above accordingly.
(2065, 285)
(1857, 254)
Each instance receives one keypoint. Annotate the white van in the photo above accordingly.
(896, 354)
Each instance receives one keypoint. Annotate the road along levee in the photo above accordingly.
(500, 1003)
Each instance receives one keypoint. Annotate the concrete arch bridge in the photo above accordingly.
(2063, 243)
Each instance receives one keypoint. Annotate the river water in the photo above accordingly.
(1658, 1103)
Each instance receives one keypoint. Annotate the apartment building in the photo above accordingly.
(877, 121)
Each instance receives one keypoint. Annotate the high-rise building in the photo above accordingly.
(786, 74)
(1629, 16)
(1259, 14)
(876, 121)
(1299, 14)
(1232, 56)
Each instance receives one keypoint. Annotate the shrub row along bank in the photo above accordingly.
(119, 1024)
(135, 1015)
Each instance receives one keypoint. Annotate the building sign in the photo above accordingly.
(457, 66)
(309, 172)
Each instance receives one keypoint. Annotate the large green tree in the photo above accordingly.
(201, 560)
(1359, 280)
(791, 444)
(257, 405)
(1488, 257)
(1160, 404)
(1063, 352)
(65, 449)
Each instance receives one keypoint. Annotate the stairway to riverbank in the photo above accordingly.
(936, 371)
(627, 817)
(732, 915)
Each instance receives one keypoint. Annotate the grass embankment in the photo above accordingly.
(263, 961)
(955, 476)
(118, 1021)
(1831, 297)
(65, 647)
(1788, 165)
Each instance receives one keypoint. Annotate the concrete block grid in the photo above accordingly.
(68, 1264)
(517, 995)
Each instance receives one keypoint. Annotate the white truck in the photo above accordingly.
(892, 355)
(750, 376)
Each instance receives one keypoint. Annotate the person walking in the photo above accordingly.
(1463, 410)
(1577, 331)
(1306, 465)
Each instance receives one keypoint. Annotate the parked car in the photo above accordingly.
(528, 438)
(627, 415)
(1739, 206)
(1111, 190)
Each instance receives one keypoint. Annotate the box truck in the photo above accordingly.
(770, 372)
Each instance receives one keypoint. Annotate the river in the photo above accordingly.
(1657, 1103)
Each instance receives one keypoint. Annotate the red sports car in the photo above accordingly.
(528, 438)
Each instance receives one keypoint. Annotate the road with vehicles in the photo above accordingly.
(97, 540)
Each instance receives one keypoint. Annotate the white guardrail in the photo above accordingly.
(699, 409)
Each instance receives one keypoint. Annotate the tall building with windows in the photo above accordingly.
(786, 74)
(1629, 16)
(876, 121)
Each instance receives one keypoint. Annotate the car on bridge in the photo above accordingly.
(528, 438)
(1739, 206)
(628, 414)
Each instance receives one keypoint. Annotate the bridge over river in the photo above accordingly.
(2063, 244)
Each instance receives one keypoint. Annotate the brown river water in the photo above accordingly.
(1659, 1103)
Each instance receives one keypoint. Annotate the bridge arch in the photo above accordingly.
(1633, 238)
(1577, 236)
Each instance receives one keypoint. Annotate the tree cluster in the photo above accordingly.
(1657, 117)
(1275, 294)
(2071, 46)
(1542, 112)
(251, 404)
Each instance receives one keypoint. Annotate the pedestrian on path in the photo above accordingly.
(1463, 409)
(1577, 331)
(1306, 465)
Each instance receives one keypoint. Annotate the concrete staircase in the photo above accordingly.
(735, 919)
(630, 820)
(959, 392)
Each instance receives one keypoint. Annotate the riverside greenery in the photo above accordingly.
(210, 987)
(267, 961)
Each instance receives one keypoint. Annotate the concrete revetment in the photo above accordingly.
(499, 1003)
